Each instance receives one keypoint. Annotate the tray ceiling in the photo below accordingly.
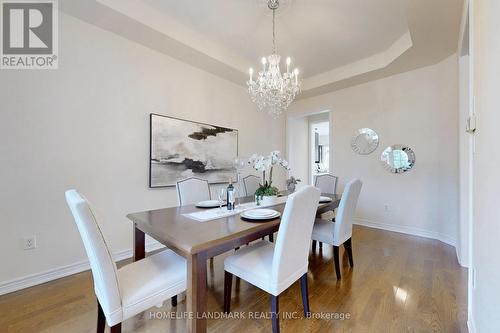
(333, 42)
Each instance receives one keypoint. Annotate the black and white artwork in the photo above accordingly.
(181, 149)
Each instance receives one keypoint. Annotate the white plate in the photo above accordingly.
(260, 214)
(209, 204)
(325, 199)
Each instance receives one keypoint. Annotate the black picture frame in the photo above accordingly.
(199, 175)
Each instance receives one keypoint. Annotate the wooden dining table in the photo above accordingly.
(197, 241)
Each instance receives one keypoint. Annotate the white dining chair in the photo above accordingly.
(273, 267)
(326, 183)
(192, 190)
(251, 183)
(340, 232)
(123, 293)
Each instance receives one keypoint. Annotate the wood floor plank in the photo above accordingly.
(400, 283)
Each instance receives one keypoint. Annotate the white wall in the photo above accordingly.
(485, 296)
(298, 148)
(419, 109)
(86, 126)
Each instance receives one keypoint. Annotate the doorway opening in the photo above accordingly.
(308, 145)
(319, 156)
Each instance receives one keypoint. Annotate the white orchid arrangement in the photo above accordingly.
(263, 164)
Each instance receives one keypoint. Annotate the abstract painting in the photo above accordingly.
(180, 149)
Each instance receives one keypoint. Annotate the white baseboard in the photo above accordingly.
(461, 261)
(59, 272)
(471, 326)
(407, 230)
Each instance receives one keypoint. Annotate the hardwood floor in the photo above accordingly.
(399, 283)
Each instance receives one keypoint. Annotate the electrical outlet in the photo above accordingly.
(386, 208)
(29, 243)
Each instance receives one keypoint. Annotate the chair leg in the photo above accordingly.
(117, 328)
(320, 245)
(275, 313)
(101, 320)
(305, 295)
(314, 246)
(348, 248)
(271, 238)
(173, 301)
(336, 260)
(228, 284)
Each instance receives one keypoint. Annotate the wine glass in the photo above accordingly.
(240, 163)
(221, 193)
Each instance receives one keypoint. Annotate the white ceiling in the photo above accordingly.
(335, 43)
(320, 35)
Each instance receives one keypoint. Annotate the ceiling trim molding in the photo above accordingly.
(149, 16)
(108, 19)
(369, 64)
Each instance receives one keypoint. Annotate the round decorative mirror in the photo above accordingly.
(365, 141)
(398, 158)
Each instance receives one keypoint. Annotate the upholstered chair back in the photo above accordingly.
(326, 183)
(345, 212)
(192, 190)
(290, 260)
(251, 183)
(101, 262)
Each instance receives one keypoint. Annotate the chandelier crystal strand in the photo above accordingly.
(272, 90)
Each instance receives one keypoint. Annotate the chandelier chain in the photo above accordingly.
(274, 31)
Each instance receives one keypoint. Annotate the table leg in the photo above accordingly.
(197, 293)
(139, 244)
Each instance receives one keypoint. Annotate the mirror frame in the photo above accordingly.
(372, 147)
(409, 152)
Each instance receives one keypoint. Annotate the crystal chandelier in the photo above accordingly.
(272, 90)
